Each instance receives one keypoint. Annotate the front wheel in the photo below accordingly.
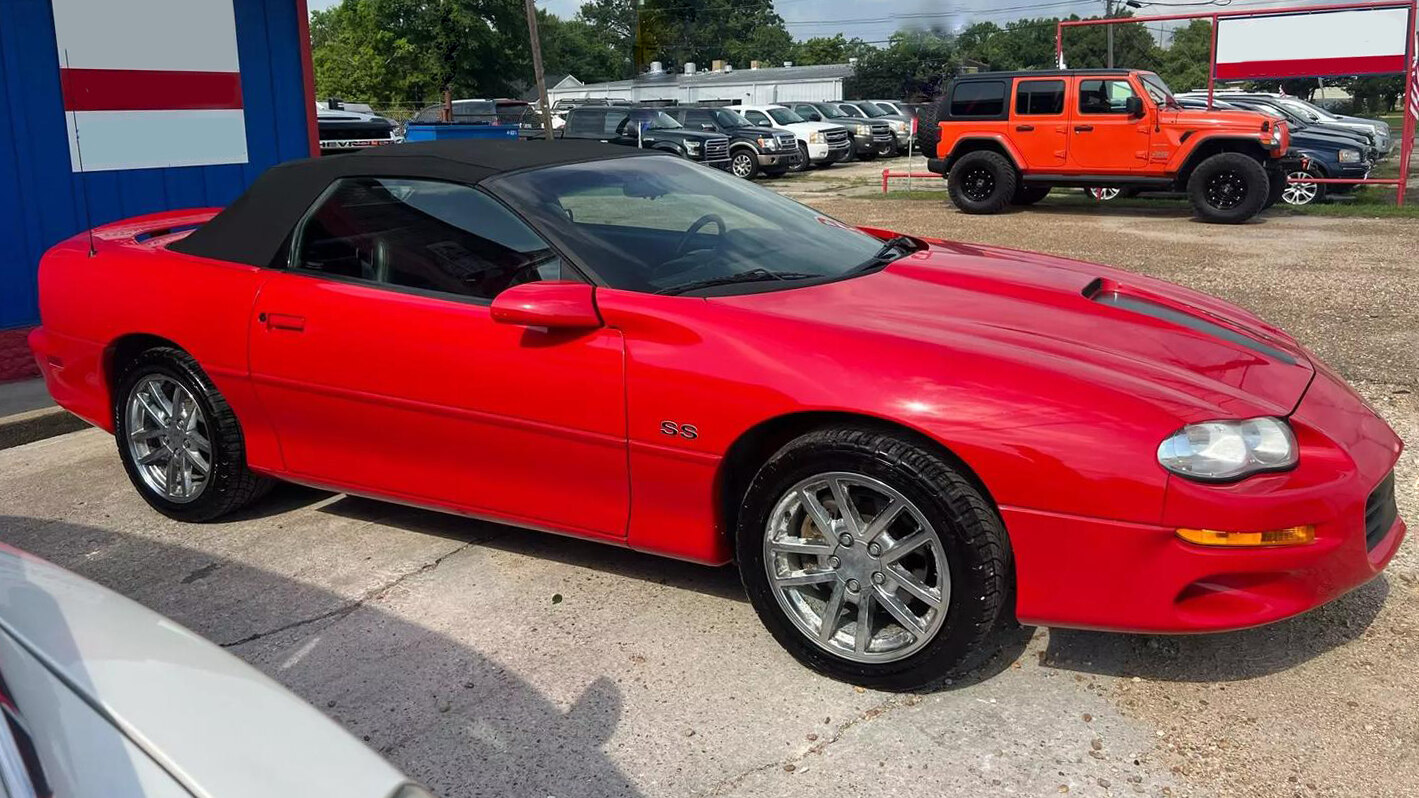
(981, 182)
(1228, 188)
(179, 439)
(872, 559)
(802, 165)
(745, 164)
(1302, 193)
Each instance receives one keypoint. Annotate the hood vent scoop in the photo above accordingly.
(1104, 294)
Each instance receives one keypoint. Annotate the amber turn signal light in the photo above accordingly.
(1291, 536)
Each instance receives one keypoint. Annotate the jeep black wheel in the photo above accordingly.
(872, 558)
(1228, 188)
(927, 132)
(981, 182)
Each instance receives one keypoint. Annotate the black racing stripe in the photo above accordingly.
(1192, 323)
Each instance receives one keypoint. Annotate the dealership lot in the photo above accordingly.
(485, 660)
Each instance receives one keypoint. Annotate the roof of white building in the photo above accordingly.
(678, 79)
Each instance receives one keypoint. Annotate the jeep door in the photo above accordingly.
(1103, 137)
(1039, 128)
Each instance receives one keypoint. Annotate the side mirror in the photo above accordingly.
(556, 305)
(707, 127)
(1134, 106)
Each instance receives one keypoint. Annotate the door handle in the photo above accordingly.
(1024, 128)
(1083, 128)
(283, 321)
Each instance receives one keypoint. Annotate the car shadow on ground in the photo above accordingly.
(453, 719)
(1220, 657)
(1159, 211)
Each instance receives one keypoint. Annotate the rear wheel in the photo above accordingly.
(981, 182)
(179, 439)
(872, 559)
(1228, 188)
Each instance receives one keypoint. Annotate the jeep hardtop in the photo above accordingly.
(1007, 138)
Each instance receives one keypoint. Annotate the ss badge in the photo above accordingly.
(686, 431)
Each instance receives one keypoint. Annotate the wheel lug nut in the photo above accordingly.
(853, 585)
(845, 539)
(834, 562)
(874, 549)
(878, 578)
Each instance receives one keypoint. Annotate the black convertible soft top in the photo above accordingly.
(253, 229)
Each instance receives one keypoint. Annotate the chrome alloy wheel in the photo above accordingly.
(168, 438)
(1300, 193)
(857, 567)
(1105, 194)
(742, 165)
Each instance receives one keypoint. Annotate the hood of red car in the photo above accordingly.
(1099, 323)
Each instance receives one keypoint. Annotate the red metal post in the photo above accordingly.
(884, 180)
(1059, 46)
(308, 73)
(1212, 64)
(1406, 146)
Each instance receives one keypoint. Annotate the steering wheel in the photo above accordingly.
(695, 228)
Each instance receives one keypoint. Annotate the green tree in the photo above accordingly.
(1086, 46)
(574, 47)
(912, 66)
(1183, 66)
(825, 50)
(1021, 44)
(1373, 94)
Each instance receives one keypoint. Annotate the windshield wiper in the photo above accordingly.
(894, 248)
(751, 276)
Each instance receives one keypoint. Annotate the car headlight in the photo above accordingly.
(900, 127)
(1222, 450)
(1349, 156)
(1275, 135)
(816, 137)
(768, 143)
(864, 130)
(692, 147)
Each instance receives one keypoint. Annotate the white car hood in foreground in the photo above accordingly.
(217, 726)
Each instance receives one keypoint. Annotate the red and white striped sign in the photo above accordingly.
(150, 83)
(1325, 43)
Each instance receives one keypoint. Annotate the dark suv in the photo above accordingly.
(752, 148)
(650, 128)
(869, 137)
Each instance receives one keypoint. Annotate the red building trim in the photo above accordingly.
(149, 90)
(308, 70)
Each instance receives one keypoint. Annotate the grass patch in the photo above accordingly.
(1375, 202)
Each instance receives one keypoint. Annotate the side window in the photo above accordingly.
(1039, 97)
(614, 120)
(1104, 96)
(586, 120)
(433, 113)
(695, 118)
(421, 234)
(809, 112)
(978, 99)
(758, 118)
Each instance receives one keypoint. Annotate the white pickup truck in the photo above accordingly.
(819, 143)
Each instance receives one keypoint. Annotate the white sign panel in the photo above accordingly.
(1353, 42)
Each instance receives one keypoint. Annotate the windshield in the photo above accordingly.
(870, 109)
(887, 108)
(1298, 108)
(654, 120)
(783, 116)
(1158, 90)
(1265, 109)
(728, 118)
(851, 110)
(659, 224)
(830, 111)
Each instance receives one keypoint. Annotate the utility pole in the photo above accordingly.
(537, 68)
(1108, 13)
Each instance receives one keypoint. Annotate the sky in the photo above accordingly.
(875, 20)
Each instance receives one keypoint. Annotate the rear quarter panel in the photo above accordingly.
(89, 302)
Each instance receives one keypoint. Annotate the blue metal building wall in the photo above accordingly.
(42, 199)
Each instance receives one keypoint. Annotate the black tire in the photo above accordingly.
(230, 484)
(973, 540)
(803, 164)
(1228, 188)
(1029, 195)
(888, 150)
(744, 163)
(869, 154)
(1275, 186)
(928, 135)
(775, 173)
(982, 182)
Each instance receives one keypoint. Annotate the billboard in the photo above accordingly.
(1366, 41)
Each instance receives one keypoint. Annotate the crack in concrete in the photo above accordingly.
(374, 594)
(724, 786)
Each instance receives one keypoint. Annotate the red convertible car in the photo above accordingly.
(901, 441)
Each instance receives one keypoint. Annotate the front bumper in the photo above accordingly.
(1102, 574)
(781, 159)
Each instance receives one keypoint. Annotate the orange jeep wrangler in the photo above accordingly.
(1007, 138)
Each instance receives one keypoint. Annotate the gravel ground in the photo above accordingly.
(492, 661)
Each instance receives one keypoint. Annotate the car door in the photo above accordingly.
(377, 357)
(1103, 137)
(759, 118)
(1039, 128)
